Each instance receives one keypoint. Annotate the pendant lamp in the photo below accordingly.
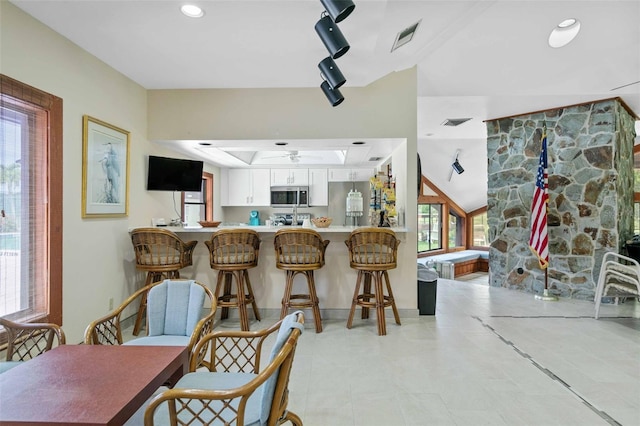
(338, 9)
(333, 95)
(331, 72)
(332, 37)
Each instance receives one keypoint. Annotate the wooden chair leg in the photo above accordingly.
(241, 300)
(252, 297)
(366, 294)
(391, 298)
(142, 309)
(382, 325)
(314, 301)
(286, 299)
(354, 301)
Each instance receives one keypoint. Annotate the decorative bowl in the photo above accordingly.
(322, 222)
(208, 224)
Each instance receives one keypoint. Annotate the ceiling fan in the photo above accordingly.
(294, 156)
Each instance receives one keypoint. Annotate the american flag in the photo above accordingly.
(539, 240)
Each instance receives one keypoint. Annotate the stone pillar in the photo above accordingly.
(590, 154)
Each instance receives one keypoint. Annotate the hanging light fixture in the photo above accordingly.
(338, 9)
(331, 72)
(333, 95)
(331, 36)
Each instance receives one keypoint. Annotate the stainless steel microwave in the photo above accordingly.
(289, 196)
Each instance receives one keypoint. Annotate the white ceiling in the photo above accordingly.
(481, 59)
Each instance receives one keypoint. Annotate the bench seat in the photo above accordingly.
(465, 262)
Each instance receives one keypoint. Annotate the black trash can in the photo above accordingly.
(427, 289)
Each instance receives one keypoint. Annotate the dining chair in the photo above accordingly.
(232, 252)
(161, 254)
(373, 252)
(28, 340)
(300, 251)
(233, 389)
(174, 316)
(619, 277)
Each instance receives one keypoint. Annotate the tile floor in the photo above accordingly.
(490, 356)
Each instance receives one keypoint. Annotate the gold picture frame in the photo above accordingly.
(105, 169)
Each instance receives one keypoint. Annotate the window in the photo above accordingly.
(429, 227)
(197, 206)
(480, 231)
(30, 203)
(455, 230)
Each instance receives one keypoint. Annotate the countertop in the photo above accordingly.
(272, 229)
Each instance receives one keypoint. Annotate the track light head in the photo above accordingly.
(333, 95)
(338, 9)
(331, 72)
(332, 37)
(457, 167)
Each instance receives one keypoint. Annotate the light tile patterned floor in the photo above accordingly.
(489, 356)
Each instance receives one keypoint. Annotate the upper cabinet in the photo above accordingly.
(281, 177)
(350, 175)
(318, 188)
(245, 187)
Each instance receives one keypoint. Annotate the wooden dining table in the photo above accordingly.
(87, 384)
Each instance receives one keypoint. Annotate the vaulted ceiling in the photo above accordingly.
(477, 59)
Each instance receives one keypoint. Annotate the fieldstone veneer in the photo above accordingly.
(590, 154)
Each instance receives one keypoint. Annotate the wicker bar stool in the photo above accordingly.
(162, 254)
(232, 252)
(300, 251)
(372, 252)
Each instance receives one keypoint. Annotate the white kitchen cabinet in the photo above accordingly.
(318, 187)
(283, 177)
(246, 187)
(350, 175)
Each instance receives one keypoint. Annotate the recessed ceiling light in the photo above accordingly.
(192, 11)
(357, 143)
(564, 33)
(282, 143)
(204, 143)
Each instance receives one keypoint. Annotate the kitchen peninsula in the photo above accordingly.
(335, 282)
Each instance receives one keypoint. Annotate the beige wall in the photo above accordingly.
(385, 109)
(97, 258)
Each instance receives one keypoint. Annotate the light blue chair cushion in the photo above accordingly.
(214, 381)
(174, 308)
(258, 405)
(289, 323)
(159, 341)
(8, 365)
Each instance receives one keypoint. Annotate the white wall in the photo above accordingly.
(98, 261)
(384, 109)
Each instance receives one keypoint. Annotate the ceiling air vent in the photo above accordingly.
(405, 36)
(375, 158)
(453, 122)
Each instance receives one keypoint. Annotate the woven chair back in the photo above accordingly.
(372, 249)
(157, 250)
(233, 249)
(299, 249)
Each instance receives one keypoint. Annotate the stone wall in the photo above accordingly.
(590, 155)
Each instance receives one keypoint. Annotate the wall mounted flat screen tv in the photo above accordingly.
(173, 174)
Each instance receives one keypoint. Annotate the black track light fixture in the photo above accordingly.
(331, 36)
(338, 9)
(457, 167)
(331, 73)
(333, 95)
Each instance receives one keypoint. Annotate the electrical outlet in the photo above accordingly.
(111, 303)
